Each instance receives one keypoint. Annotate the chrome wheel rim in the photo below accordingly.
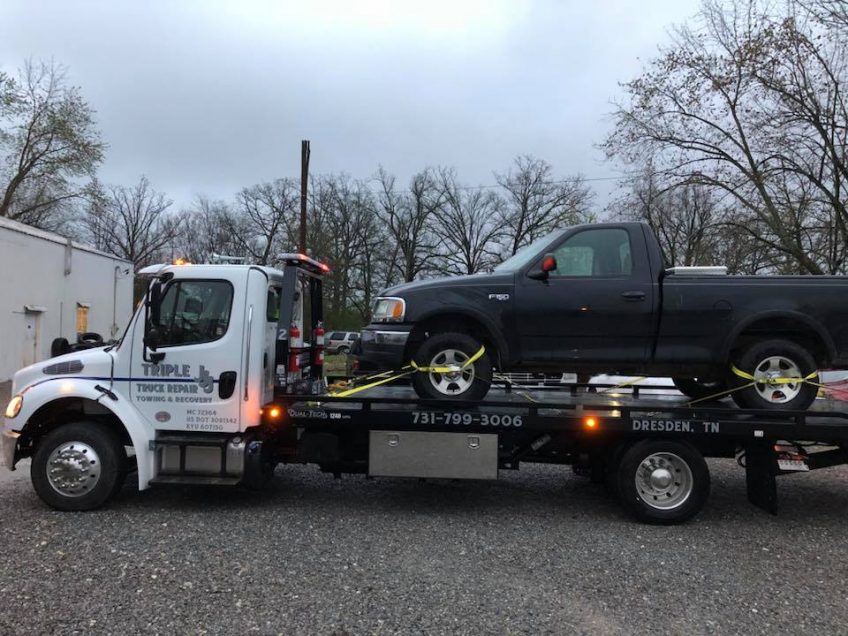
(459, 379)
(775, 368)
(664, 481)
(73, 469)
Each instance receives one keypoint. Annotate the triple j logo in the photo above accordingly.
(204, 380)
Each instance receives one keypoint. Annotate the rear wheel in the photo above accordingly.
(773, 363)
(662, 481)
(457, 379)
(78, 466)
(699, 389)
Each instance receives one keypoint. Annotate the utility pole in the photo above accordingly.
(304, 181)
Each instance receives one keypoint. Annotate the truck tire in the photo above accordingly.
(452, 349)
(698, 389)
(59, 347)
(78, 466)
(662, 481)
(778, 359)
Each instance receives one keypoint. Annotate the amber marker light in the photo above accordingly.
(590, 423)
(274, 412)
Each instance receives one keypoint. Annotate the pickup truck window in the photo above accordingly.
(194, 311)
(601, 252)
(526, 253)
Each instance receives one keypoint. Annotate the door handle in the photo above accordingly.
(226, 384)
(633, 296)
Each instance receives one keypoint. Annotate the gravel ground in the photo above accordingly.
(541, 551)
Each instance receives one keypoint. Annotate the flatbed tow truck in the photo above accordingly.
(219, 378)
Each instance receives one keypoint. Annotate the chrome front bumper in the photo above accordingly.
(8, 446)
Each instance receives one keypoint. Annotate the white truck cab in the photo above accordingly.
(183, 390)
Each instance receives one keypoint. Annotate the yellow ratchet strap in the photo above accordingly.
(748, 376)
(470, 360)
(388, 376)
(752, 381)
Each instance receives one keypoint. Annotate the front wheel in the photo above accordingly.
(455, 378)
(779, 369)
(78, 466)
(662, 481)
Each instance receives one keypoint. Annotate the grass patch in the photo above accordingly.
(336, 366)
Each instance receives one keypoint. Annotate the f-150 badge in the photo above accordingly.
(499, 297)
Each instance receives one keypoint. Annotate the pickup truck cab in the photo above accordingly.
(599, 299)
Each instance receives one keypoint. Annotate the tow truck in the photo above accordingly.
(218, 378)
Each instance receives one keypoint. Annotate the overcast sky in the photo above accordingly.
(208, 97)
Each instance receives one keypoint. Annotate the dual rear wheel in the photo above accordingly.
(661, 481)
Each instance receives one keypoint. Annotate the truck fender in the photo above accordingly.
(139, 430)
(806, 320)
(488, 325)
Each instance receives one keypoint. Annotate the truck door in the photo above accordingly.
(597, 306)
(194, 387)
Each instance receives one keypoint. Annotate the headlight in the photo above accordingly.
(389, 310)
(14, 406)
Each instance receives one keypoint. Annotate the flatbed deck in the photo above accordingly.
(600, 433)
(611, 407)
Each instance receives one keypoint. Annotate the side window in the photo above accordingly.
(601, 252)
(272, 310)
(194, 311)
(353, 336)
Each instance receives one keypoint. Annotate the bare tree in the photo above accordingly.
(204, 231)
(467, 225)
(407, 216)
(537, 203)
(263, 220)
(48, 145)
(132, 222)
(351, 242)
(705, 116)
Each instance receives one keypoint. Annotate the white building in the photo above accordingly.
(53, 287)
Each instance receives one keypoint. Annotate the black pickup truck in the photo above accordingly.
(599, 299)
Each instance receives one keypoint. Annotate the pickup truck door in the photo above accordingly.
(598, 306)
(195, 386)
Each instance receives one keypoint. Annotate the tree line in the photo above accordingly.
(735, 137)
(732, 143)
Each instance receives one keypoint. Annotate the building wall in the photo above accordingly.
(43, 281)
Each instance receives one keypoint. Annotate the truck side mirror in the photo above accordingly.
(152, 336)
(549, 264)
(154, 302)
(152, 339)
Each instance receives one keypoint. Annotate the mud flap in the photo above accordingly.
(761, 475)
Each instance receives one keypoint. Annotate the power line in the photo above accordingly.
(490, 186)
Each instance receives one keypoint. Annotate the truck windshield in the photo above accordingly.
(527, 253)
